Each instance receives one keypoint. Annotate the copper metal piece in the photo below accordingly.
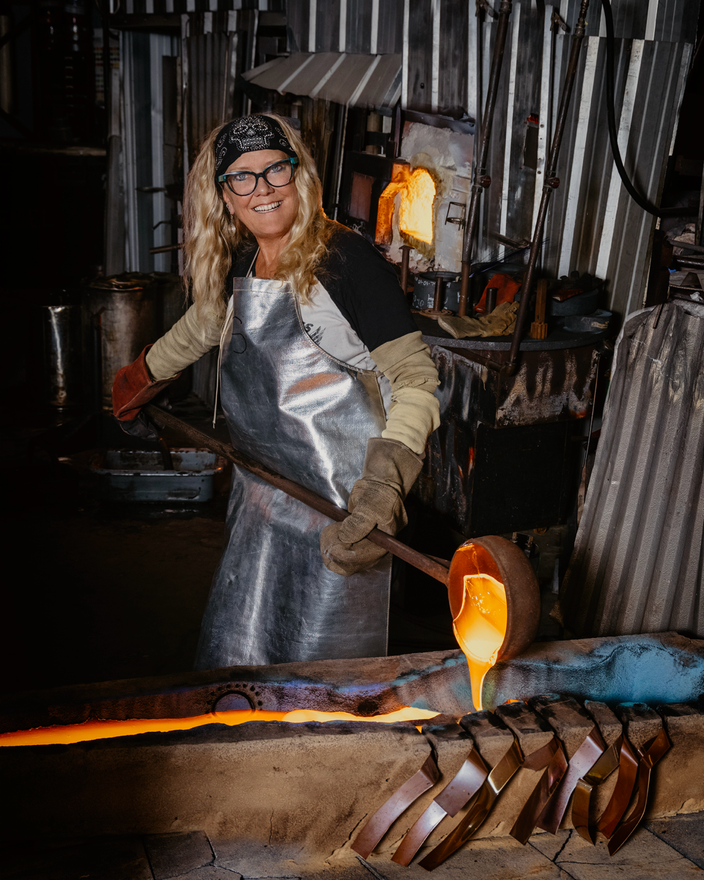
(604, 767)
(584, 758)
(539, 329)
(449, 802)
(400, 800)
(552, 759)
(649, 756)
(495, 782)
(627, 772)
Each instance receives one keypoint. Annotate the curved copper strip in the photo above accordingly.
(581, 802)
(418, 834)
(377, 826)
(483, 802)
(543, 791)
(627, 771)
(465, 784)
(584, 758)
(649, 757)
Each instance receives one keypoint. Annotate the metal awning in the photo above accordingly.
(355, 80)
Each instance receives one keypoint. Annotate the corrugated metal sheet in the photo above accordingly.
(358, 80)
(638, 560)
(358, 27)
(165, 7)
(216, 47)
(593, 225)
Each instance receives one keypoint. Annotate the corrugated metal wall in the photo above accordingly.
(165, 7)
(593, 225)
(216, 48)
(638, 561)
(364, 27)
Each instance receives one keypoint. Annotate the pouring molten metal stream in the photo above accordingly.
(495, 604)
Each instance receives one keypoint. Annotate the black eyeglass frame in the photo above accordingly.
(292, 161)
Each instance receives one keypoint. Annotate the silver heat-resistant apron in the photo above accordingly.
(308, 416)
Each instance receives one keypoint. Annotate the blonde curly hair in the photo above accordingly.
(211, 236)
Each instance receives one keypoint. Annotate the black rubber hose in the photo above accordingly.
(611, 114)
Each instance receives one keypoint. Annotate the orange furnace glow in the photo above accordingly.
(415, 218)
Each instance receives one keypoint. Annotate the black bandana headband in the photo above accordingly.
(245, 135)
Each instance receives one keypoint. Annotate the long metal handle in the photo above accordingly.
(418, 560)
(481, 181)
(551, 182)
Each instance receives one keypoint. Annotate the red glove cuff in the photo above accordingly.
(134, 387)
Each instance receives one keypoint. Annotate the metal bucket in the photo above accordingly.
(121, 316)
(57, 373)
(424, 290)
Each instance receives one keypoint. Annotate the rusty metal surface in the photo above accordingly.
(637, 561)
(655, 668)
(363, 687)
(507, 563)
(501, 459)
(594, 225)
(356, 80)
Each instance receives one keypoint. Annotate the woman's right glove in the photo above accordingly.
(132, 389)
(376, 501)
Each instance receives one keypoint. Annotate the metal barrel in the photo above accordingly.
(121, 316)
(57, 379)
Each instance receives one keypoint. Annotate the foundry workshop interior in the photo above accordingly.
(353, 430)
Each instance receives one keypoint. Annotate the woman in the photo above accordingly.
(323, 377)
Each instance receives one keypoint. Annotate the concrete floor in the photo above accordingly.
(98, 591)
(665, 848)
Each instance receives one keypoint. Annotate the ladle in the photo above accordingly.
(492, 557)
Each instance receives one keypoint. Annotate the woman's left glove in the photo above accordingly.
(132, 389)
(376, 500)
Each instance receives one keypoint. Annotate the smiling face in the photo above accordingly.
(270, 211)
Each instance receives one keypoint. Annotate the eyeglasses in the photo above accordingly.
(243, 183)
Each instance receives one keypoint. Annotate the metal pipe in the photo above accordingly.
(491, 299)
(551, 183)
(405, 256)
(437, 299)
(481, 180)
(427, 565)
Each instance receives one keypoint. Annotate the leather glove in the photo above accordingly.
(376, 500)
(501, 322)
(132, 389)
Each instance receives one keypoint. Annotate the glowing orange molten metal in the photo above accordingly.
(480, 626)
(415, 217)
(92, 730)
